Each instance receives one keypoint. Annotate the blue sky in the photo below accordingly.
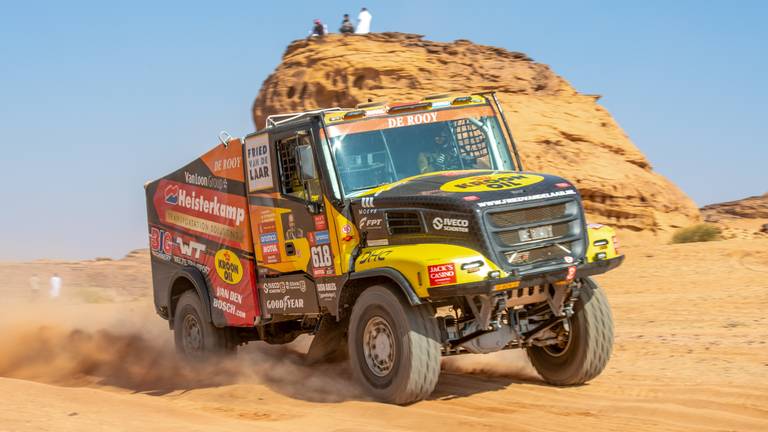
(98, 97)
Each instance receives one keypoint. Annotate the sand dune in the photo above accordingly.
(690, 354)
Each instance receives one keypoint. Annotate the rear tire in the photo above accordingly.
(394, 348)
(588, 347)
(196, 338)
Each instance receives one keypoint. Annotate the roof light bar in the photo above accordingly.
(418, 106)
(354, 114)
(461, 100)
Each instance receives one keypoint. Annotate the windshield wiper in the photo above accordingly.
(369, 187)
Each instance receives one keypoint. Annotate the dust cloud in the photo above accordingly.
(511, 364)
(125, 346)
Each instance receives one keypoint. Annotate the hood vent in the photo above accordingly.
(404, 222)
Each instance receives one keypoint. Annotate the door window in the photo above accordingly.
(298, 174)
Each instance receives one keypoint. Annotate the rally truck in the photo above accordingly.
(395, 234)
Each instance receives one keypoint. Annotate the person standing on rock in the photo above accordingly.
(55, 286)
(364, 22)
(346, 26)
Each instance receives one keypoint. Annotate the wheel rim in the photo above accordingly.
(564, 338)
(192, 335)
(379, 346)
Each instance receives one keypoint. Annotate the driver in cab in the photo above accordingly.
(443, 154)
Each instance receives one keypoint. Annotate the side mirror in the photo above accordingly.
(306, 162)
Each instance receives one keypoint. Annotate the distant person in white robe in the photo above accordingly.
(364, 22)
(55, 286)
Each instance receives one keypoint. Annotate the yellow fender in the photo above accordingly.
(428, 265)
(602, 243)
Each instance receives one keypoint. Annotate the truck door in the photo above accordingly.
(290, 227)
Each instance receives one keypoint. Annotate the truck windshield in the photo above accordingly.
(378, 151)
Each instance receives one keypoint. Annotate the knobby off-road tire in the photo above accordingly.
(394, 348)
(589, 347)
(195, 338)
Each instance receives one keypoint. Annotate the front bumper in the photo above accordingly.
(526, 281)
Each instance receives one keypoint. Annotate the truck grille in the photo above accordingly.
(516, 217)
(523, 238)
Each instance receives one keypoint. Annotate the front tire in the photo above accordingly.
(584, 354)
(394, 348)
(196, 338)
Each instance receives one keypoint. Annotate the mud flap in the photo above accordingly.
(330, 342)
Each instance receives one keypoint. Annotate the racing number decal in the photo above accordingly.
(321, 256)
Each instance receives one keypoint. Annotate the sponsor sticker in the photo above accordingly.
(203, 203)
(281, 287)
(218, 183)
(227, 164)
(259, 166)
(267, 227)
(441, 274)
(171, 194)
(527, 198)
(161, 243)
(289, 295)
(507, 285)
(286, 304)
(267, 216)
(323, 271)
(374, 255)
(450, 224)
(322, 237)
(204, 226)
(410, 120)
(367, 202)
(270, 253)
(326, 291)
(228, 266)
(268, 238)
(320, 223)
(491, 182)
(190, 248)
(571, 273)
(369, 223)
(326, 287)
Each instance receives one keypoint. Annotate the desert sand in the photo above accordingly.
(691, 353)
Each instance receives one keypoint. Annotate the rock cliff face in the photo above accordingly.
(745, 218)
(755, 207)
(558, 130)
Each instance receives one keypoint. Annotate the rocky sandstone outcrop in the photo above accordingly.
(755, 207)
(558, 129)
(745, 218)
